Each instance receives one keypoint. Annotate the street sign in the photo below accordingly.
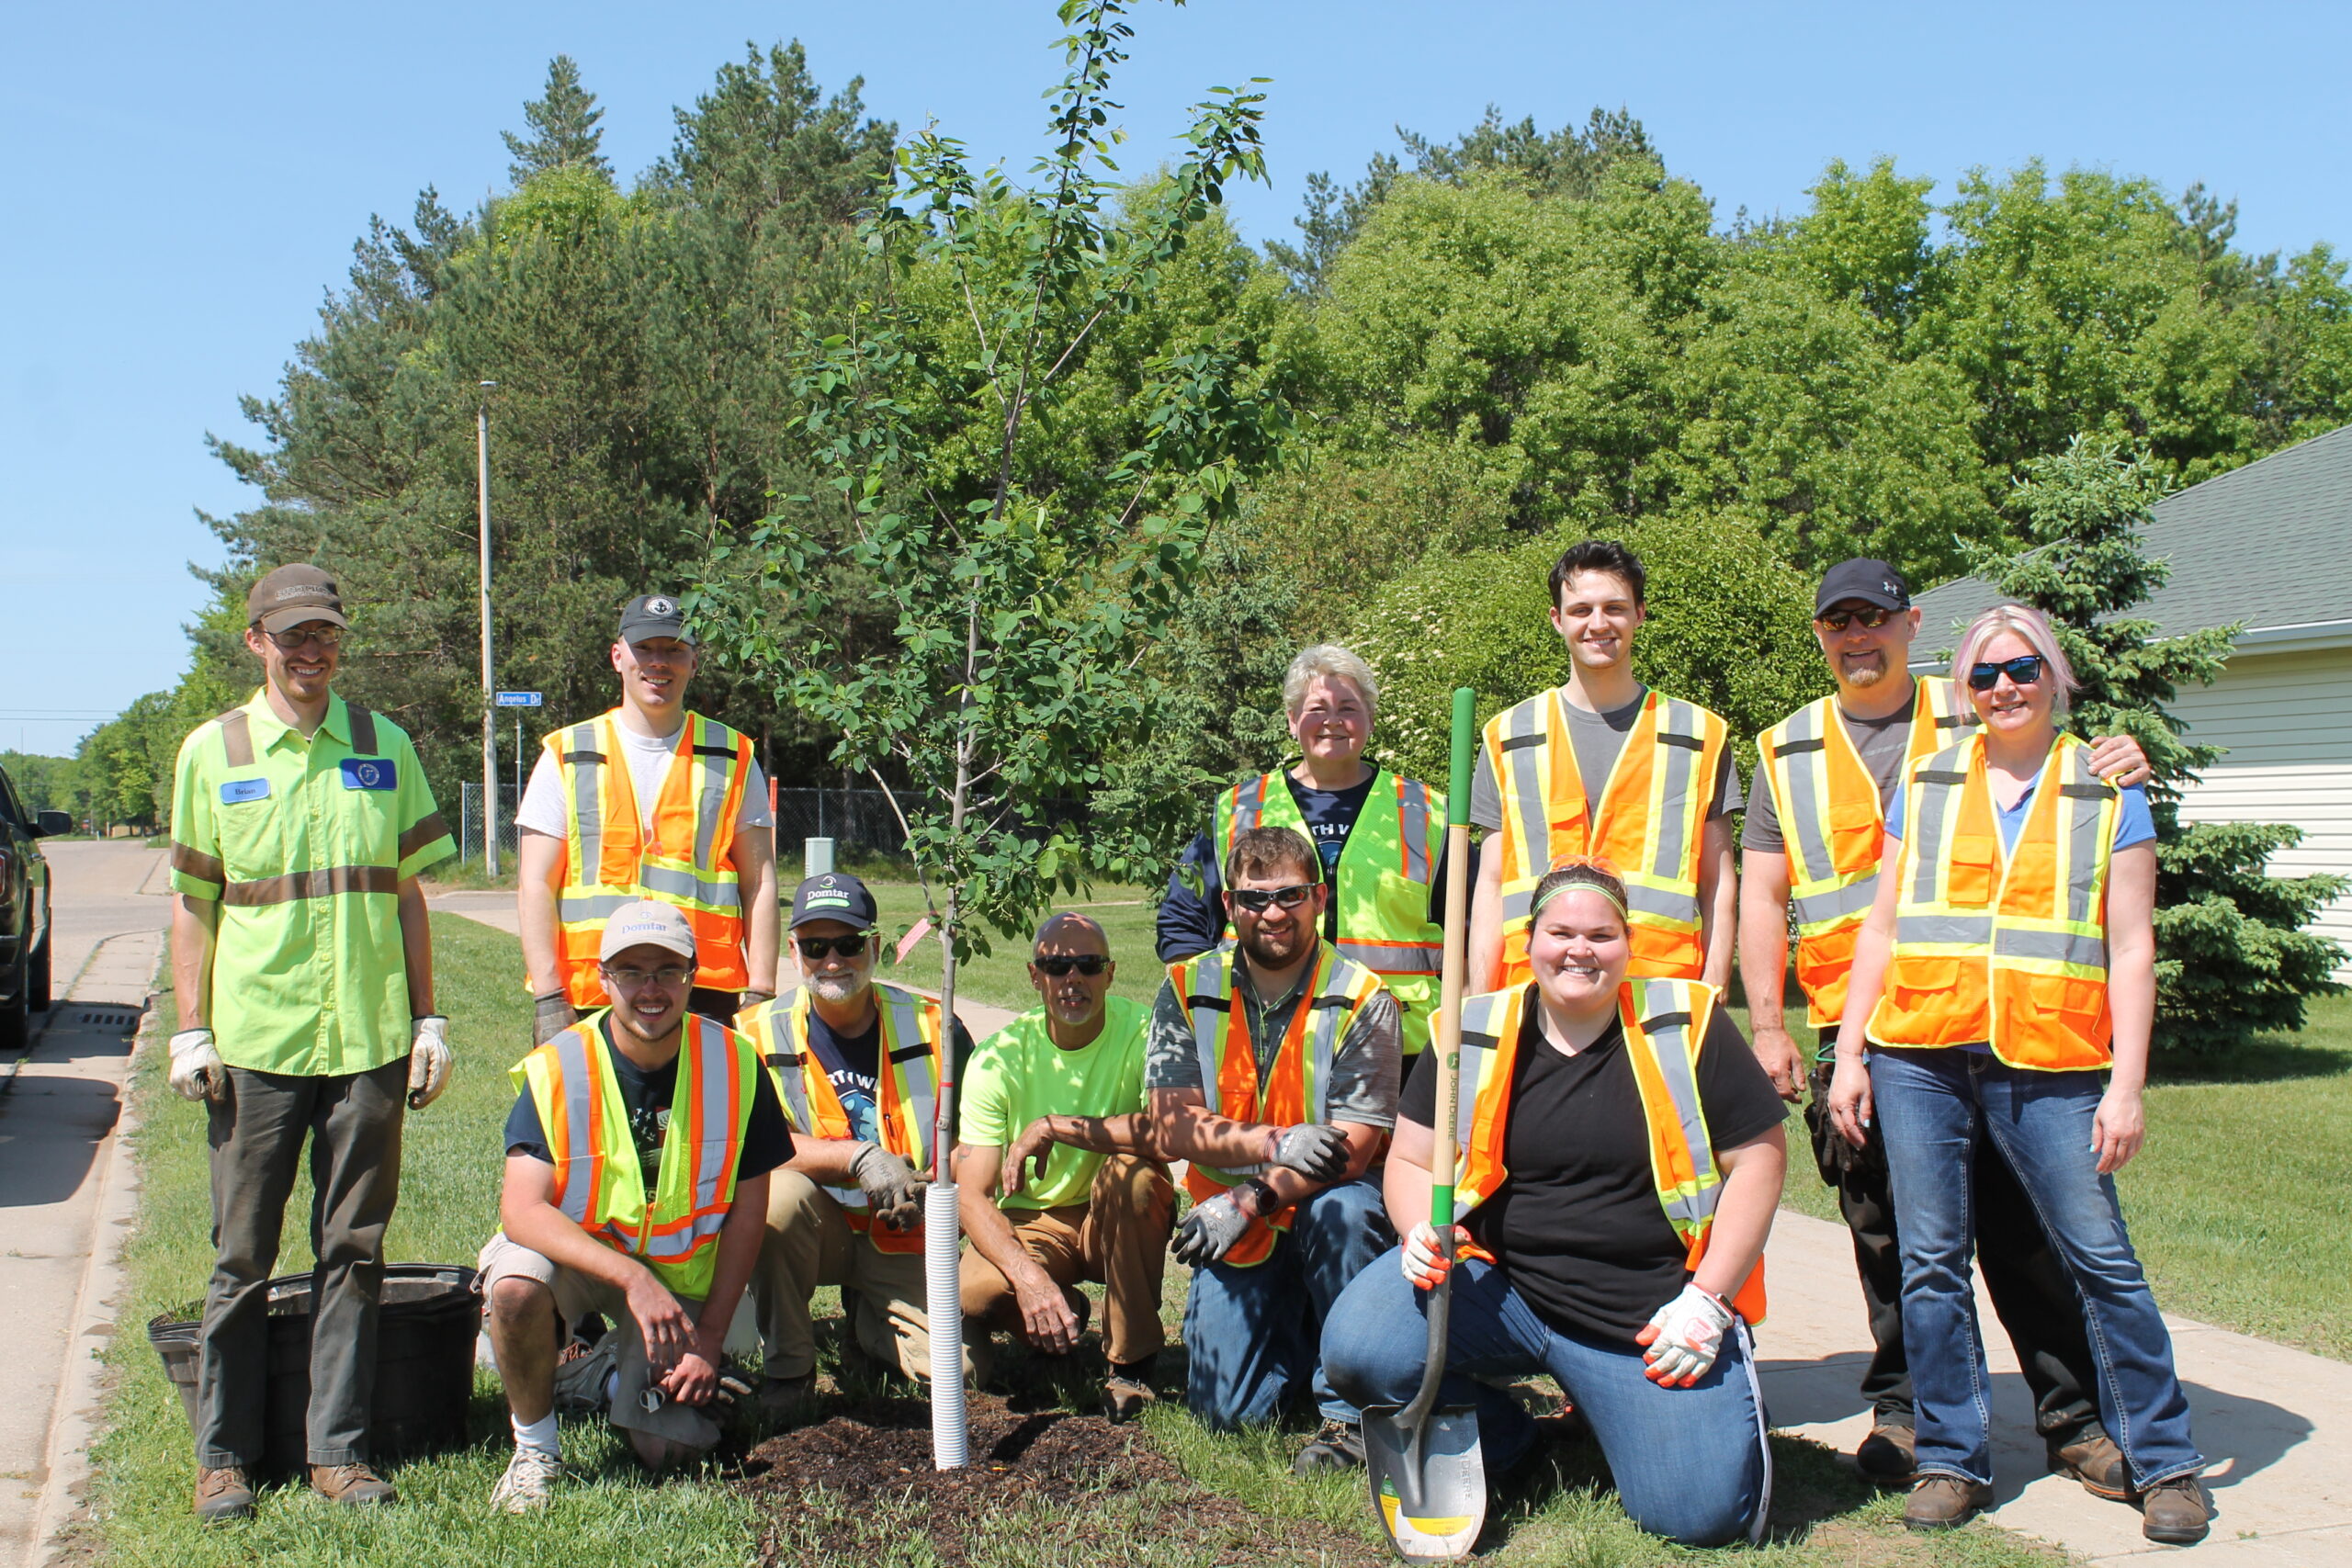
(518, 699)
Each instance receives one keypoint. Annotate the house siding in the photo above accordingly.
(2286, 719)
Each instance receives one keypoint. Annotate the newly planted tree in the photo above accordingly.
(969, 601)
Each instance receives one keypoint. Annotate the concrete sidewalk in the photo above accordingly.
(2276, 1423)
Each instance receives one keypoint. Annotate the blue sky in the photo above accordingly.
(185, 181)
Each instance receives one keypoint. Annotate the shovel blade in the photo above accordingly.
(1430, 1494)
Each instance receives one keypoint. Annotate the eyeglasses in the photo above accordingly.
(815, 948)
(1256, 899)
(1873, 617)
(328, 636)
(1087, 963)
(2023, 670)
(630, 979)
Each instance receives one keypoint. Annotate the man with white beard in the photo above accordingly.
(857, 1063)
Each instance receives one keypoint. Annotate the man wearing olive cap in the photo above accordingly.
(653, 801)
(303, 965)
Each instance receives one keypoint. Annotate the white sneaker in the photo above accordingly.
(528, 1485)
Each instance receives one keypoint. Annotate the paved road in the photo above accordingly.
(60, 1185)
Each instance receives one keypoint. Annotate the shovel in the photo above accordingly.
(1428, 1484)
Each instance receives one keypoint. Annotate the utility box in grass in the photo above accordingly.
(424, 1363)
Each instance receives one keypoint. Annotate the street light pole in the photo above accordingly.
(489, 685)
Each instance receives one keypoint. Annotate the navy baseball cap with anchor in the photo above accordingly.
(653, 614)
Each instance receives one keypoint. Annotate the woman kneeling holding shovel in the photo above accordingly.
(1621, 1157)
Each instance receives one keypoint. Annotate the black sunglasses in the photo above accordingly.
(1873, 617)
(815, 948)
(2023, 670)
(1087, 963)
(1256, 899)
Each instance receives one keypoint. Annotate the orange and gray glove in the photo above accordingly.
(1684, 1336)
(197, 1072)
(429, 1060)
(1425, 1261)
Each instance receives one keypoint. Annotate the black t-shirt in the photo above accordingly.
(767, 1139)
(853, 1064)
(1576, 1225)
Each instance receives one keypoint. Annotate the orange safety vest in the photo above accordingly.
(907, 1104)
(1297, 1090)
(1664, 1023)
(599, 1180)
(2009, 948)
(688, 862)
(1380, 894)
(1831, 824)
(1649, 824)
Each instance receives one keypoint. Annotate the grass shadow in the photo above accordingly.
(2269, 1059)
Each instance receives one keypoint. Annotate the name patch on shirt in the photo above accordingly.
(236, 790)
(367, 773)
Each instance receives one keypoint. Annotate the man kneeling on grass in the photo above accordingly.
(1057, 1177)
(637, 1156)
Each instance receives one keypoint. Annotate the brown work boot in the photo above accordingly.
(787, 1399)
(1124, 1398)
(2093, 1458)
(1885, 1456)
(222, 1494)
(2177, 1512)
(1945, 1502)
(352, 1484)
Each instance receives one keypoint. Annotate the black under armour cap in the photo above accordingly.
(653, 614)
(835, 896)
(1872, 582)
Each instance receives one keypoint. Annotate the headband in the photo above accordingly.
(1614, 902)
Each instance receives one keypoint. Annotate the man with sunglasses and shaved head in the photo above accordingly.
(1824, 778)
(858, 1062)
(1056, 1176)
(1273, 1068)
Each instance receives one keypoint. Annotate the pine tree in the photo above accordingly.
(564, 120)
(2233, 958)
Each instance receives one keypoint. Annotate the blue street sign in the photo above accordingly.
(518, 699)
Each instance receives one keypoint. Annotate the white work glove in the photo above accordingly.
(1318, 1152)
(1426, 1263)
(428, 1060)
(198, 1072)
(1684, 1338)
(1210, 1230)
(893, 1186)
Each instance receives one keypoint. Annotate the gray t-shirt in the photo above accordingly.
(1881, 743)
(1365, 1069)
(1597, 739)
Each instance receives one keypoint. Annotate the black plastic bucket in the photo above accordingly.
(424, 1363)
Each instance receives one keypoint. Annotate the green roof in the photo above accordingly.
(2267, 547)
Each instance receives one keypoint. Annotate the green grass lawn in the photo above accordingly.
(1000, 977)
(612, 1515)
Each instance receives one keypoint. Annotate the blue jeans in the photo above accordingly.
(1932, 1106)
(1689, 1463)
(1251, 1333)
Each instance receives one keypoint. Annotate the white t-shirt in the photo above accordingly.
(648, 756)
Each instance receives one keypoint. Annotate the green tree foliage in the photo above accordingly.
(2232, 960)
(564, 132)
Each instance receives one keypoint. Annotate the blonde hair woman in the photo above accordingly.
(2003, 986)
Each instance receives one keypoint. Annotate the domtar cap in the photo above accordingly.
(836, 895)
(653, 614)
(1872, 582)
(291, 596)
(646, 923)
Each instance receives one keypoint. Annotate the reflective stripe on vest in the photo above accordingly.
(1298, 1087)
(1831, 825)
(610, 861)
(1380, 895)
(906, 1105)
(599, 1182)
(1665, 1022)
(1649, 823)
(2009, 949)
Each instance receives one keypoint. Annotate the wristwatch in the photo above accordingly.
(1262, 1201)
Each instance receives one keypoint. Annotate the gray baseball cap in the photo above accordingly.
(646, 924)
(293, 594)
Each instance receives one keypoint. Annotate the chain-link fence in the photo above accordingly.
(470, 821)
(857, 819)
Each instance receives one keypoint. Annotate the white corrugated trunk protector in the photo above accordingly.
(950, 1432)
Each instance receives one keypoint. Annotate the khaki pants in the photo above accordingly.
(1118, 1238)
(810, 1244)
(578, 1296)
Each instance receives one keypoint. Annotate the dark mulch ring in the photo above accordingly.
(825, 1488)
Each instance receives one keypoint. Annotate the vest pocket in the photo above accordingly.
(2068, 1006)
(1853, 833)
(1973, 860)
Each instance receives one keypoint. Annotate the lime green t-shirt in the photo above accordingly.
(1019, 1074)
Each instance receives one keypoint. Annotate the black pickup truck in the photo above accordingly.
(24, 913)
